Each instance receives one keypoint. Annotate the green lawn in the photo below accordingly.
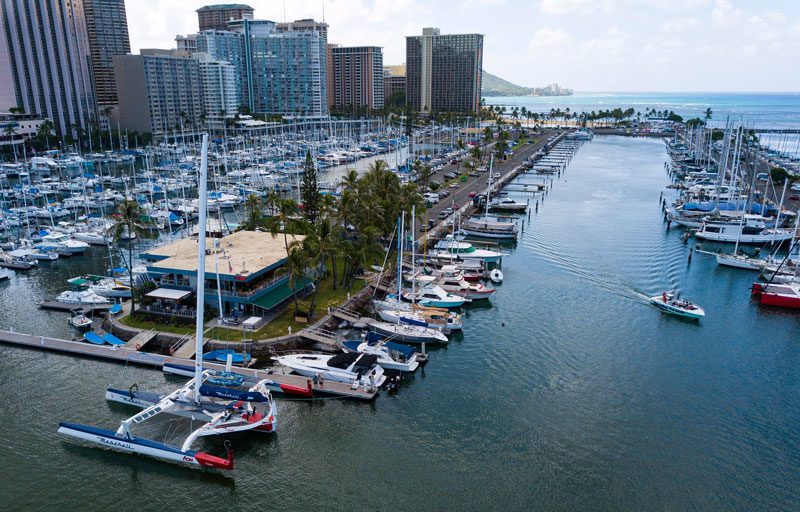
(140, 323)
(326, 297)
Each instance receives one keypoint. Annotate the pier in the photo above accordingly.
(125, 355)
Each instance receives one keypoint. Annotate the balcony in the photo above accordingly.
(249, 294)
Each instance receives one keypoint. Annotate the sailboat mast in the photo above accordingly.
(201, 268)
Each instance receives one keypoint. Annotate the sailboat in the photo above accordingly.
(223, 402)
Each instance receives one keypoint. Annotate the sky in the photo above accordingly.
(588, 45)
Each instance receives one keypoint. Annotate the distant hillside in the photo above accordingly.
(492, 85)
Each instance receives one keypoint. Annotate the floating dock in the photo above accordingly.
(127, 355)
(70, 306)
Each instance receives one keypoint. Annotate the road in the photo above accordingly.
(460, 196)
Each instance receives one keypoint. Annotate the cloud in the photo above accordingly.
(547, 38)
(560, 7)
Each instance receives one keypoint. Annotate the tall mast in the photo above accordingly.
(201, 268)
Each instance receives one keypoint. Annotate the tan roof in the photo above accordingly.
(244, 251)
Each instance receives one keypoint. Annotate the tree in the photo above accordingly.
(324, 243)
(309, 190)
(296, 267)
(476, 153)
(128, 223)
(254, 216)
(284, 220)
(11, 131)
(708, 113)
(46, 129)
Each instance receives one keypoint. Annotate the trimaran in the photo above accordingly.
(222, 403)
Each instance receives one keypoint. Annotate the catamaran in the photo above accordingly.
(223, 402)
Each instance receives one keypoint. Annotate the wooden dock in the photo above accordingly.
(70, 306)
(127, 355)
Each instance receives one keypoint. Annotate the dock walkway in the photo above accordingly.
(126, 355)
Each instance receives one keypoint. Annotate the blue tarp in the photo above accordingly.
(112, 340)
(91, 337)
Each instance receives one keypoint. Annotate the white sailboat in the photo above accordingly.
(223, 402)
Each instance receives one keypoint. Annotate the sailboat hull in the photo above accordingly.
(728, 260)
(110, 439)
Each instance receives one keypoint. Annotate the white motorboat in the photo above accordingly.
(450, 249)
(81, 297)
(391, 356)
(350, 368)
(91, 238)
(669, 303)
(436, 297)
(79, 320)
(489, 229)
(459, 286)
(507, 205)
(61, 242)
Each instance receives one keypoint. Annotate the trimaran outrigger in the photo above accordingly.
(223, 403)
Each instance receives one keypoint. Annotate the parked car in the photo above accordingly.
(443, 214)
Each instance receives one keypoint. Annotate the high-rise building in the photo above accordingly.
(220, 90)
(443, 71)
(394, 81)
(186, 43)
(216, 17)
(288, 74)
(227, 46)
(357, 78)
(307, 25)
(329, 71)
(159, 91)
(107, 28)
(49, 59)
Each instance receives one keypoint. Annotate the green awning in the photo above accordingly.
(279, 294)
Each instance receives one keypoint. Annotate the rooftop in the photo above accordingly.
(241, 253)
(224, 7)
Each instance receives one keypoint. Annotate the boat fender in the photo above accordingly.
(139, 345)
(133, 387)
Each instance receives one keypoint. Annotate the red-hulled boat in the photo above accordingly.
(781, 295)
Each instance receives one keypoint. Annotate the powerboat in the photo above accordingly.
(391, 355)
(450, 249)
(435, 296)
(459, 286)
(62, 243)
(82, 297)
(361, 369)
(669, 303)
(507, 205)
(79, 320)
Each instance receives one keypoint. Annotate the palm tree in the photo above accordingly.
(284, 220)
(255, 218)
(476, 153)
(46, 130)
(11, 131)
(128, 221)
(324, 243)
(296, 266)
(708, 113)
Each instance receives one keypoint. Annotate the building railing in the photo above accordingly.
(253, 292)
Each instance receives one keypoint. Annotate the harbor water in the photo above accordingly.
(569, 392)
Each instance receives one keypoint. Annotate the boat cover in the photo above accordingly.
(112, 340)
(91, 337)
(406, 350)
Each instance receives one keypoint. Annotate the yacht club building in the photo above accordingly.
(247, 265)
